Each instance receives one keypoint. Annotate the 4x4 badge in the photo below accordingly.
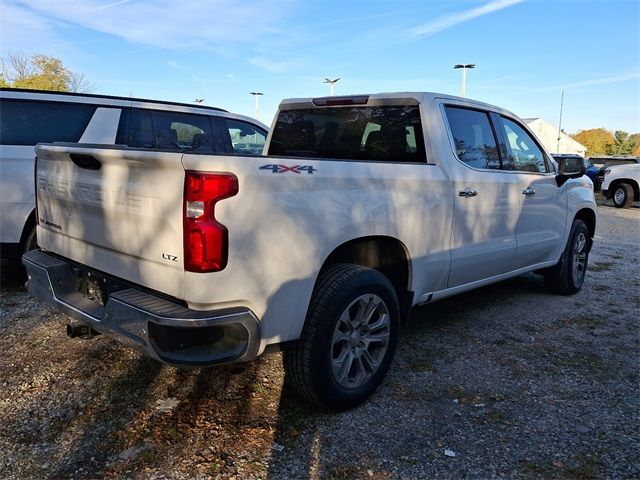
(277, 168)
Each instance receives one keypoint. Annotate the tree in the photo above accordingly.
(598, 141)
(622, 143)
(40, 72)
(635, 140)
(78, 83)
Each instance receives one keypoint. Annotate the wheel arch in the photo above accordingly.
(588, 216)
(630, 181)
(388, 255)
(26, 229)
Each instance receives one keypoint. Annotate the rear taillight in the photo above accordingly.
(206, 241)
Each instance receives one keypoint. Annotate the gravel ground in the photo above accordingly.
(504, 382)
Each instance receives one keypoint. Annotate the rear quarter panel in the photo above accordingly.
(282, 226)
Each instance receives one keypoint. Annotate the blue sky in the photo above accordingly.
(526, 51)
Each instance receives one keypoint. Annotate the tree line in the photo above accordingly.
(600, 141)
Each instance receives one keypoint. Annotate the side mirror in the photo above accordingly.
(569, 167)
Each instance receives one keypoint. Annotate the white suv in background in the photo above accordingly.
(621, 183)
(28, 117)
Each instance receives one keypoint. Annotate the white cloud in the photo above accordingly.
(114, 4)
(23, 30)
(447, 21)
(186, 25)
(602, 81)
(515, 84)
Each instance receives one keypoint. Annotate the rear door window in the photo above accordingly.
(183, 132)
(380, 133)
(25, 122)
(153, 129)
(475, 143)
(136, 129)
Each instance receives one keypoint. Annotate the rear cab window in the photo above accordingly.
(377, 133)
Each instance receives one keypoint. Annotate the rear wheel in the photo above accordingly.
(623, 195)
(348, 340)
(567, 276)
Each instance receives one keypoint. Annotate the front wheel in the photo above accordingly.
(567, 276)
(348, 340)
(623, 195)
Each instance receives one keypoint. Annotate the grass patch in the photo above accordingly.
(425, 360)
(601, 266)
(497, 416)
(421, 365)
(344, 472)
(588, 321)
(586, 468)
(458, 391)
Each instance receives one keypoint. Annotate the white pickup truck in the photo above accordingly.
(363, 207)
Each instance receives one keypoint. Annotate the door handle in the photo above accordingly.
(468, 192)
(528, 191)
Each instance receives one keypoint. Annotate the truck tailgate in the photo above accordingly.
(115, 210)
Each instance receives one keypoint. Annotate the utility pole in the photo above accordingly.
(560, 122)
(331, 83)
(463, 85)
(257, 95)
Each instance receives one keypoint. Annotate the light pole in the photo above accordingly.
(257, 95)
(331, 83)
(464, 67)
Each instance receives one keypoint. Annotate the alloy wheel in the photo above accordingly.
(579, 258)
(360, 341)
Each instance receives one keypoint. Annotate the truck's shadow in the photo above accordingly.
(12, 277)
(313, 436)
(110, 424)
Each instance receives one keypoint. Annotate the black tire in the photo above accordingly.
(567, 276)
(623, 195)
(340, 292)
